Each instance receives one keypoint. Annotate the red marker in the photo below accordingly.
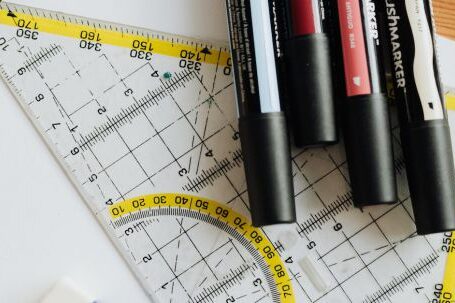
(354, 50)
(305, 20)
(367, 127)
(309, 74)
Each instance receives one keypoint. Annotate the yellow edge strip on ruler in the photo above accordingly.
(118, 38)
(449, 276)
(222, 213)
(114, 37)
(450, 101)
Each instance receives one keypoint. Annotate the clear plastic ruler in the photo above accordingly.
(144, 124)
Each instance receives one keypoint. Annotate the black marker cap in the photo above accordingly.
(266, 150)
(369, 150)
(431, 176)
(310, 90)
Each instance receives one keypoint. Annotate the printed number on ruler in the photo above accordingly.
(145, 125)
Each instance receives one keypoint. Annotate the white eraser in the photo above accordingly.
(313, 274)
(68, 292)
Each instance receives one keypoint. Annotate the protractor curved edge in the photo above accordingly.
(260, 272)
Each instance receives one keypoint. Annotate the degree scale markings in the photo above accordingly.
(123, 36)
(217, 214)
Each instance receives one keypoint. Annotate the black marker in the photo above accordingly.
(309, 74)
(263, 132)
(367, 126)
(425, 130)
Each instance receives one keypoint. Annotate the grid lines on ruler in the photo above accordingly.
(131, 150)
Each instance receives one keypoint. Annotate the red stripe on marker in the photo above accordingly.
(303, 17)
(354, 49)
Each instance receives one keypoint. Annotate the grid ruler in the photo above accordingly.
(145, 126)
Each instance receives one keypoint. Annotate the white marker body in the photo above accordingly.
(265, 56)
(424, 73)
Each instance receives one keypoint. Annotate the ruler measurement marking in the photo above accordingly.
(227, 226)
(106, 173)
(118, 37)
(165, 261)
(234, 277)
(423, 266)
(209, 176)
(120, 118)
(351, 276)
(170, 164)
(449, 276)
(342, 203)
(205, 145)
(361, 229)
(59, 104)
(391, 244)
(216, 103)
(365, 266)
(177, 276)
(227, 178)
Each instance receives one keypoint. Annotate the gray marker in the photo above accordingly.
(263, 130)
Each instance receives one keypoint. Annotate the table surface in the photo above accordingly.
(42, 244)
(444, 11)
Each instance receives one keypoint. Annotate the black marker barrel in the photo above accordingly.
(309, 74)
(366, 115)
(425, 131)
(262, 123)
